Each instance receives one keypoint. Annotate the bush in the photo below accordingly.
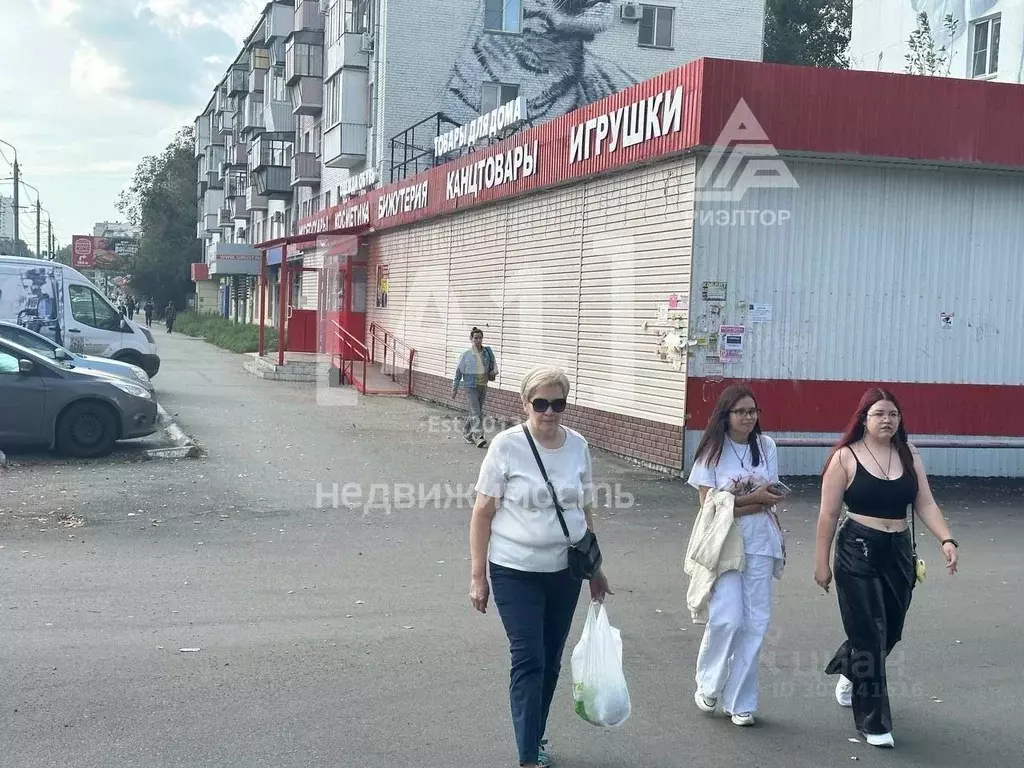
(224, 333)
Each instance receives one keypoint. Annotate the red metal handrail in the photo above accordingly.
(392, 343)
(346, 363)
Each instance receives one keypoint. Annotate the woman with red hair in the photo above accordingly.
(878, 474)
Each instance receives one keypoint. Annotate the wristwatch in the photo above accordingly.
(951, 541)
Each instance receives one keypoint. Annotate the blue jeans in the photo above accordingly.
(537, 611)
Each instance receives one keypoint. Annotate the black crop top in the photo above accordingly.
(874, 497)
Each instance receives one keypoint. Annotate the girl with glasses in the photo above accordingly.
(734, 456)
(515, 534)
(878, 474)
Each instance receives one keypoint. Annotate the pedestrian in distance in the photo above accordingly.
(520, 531)
(476, 368)
(878, 474)
(149, 313)
(169, 315)
(735, 457)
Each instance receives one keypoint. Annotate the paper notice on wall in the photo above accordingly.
(759, 313)
(714, 290)
(946, 319)
(731, 343)
(713, 367)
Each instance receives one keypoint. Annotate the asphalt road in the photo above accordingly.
(337, 635)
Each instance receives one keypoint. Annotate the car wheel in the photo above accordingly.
(87, 430)
(129, 358)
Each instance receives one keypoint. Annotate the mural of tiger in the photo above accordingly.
(551, 61)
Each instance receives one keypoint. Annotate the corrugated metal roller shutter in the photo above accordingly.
(476, 293)
(542, 284)
(637, 249)
(390, 251)
(425, 316)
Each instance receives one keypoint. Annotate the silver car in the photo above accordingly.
(46, 346)
(83, 413)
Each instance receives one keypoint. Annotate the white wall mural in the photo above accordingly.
(551, 61)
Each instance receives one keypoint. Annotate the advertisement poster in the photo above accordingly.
(88, 252)
(731, 347)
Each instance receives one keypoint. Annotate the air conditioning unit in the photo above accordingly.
(366, 42)
(631, 12)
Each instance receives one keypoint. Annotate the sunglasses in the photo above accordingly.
(540, 405)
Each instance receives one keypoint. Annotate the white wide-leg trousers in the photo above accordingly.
(739, 613)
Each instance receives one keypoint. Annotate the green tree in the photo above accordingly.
(162, 201)
(813, 33)
(923, 59)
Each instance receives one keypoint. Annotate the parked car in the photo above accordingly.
(81, 413)
(44, 346)
(61, 303)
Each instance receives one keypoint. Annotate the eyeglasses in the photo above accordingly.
(540, 405)
(744, 413)
(894, 415)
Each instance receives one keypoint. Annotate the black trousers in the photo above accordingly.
(537, 611)
(874, 576)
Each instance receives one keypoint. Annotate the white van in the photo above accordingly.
(62, 304)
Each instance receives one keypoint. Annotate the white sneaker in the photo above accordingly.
(844, 692)
(705, 703)
(879, 739)
(743, 718)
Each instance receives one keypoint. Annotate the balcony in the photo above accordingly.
(304, 57)
(305, 170)
(345, 145)
(223, 101)
(235, 184)
(308, 16)
(214, 179)
(224, 217)
(279, 21)
(255, 201)
(352, 51)
(238, 82)
(237, 156)
(225, 122)
(212, 223)
(278, 117)
(237, 207)
(203, 133)
(254, 120)
(270, 168)
(308, 97)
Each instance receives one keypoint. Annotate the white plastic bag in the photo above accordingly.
(598, 684)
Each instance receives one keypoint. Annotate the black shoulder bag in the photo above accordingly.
(585, 554)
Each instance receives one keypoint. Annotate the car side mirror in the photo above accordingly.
(61, 354)
(26, 366)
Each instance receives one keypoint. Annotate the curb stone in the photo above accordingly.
(185, 447)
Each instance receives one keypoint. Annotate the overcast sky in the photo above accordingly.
(89, 87)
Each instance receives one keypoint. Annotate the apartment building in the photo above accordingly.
(7, 214)
(986, 41)
(330, 98)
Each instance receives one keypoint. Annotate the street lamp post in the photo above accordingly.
(17, 229)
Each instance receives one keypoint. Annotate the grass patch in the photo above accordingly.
(224, 333)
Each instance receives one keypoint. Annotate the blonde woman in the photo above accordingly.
(517, 536)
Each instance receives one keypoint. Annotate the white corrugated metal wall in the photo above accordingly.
(566, 277)
(868, 249)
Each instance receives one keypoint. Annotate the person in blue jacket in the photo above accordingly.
(476, 368)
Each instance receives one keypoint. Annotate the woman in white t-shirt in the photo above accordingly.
(515, 531)
(734, 456)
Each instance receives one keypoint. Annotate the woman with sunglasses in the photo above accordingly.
(515, 534)
(879, 475)
(734, 456)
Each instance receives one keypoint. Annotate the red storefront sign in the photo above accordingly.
(810, 111)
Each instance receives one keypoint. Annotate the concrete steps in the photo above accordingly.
(306, 369)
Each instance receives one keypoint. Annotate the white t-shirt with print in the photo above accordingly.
(736, 474)
(525, 532)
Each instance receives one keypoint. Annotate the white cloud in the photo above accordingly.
(95, 76)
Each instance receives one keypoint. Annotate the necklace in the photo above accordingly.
(888, 464)
(746, 450)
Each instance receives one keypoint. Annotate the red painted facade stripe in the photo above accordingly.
(826, 406)
(803, 110)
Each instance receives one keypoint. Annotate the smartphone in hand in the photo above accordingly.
(779, 488)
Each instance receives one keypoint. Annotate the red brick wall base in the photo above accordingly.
(659, 446)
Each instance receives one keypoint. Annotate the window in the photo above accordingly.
(332, 107)
(88, 308)
(656, 27)
(985, 40)
(357, 16)
(503, 15)
(9, 363)
(327, 199)
(494, 95)
(26, 339)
